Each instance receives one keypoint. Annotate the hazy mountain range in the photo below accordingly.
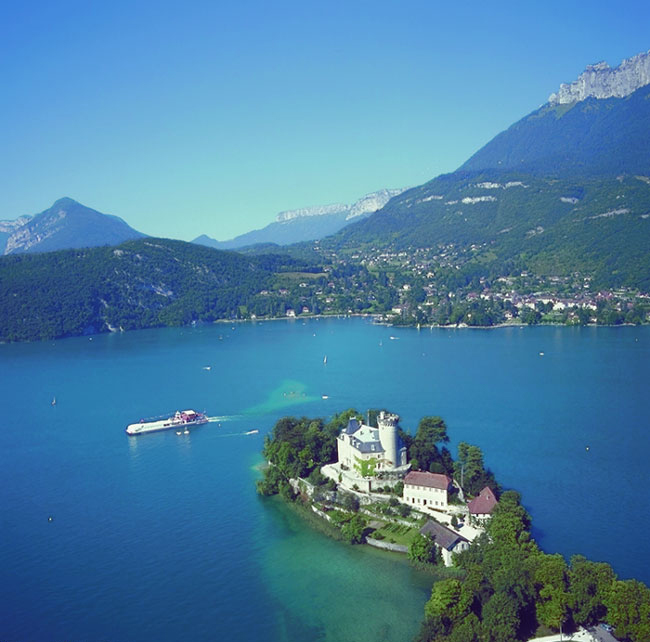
(306, 224)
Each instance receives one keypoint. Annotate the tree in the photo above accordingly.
(353, 529)
(423, 450)
(443, 602)
(510, 522)
(551, 582)
(589, 584)
(433, 429)
(628, 609)
(467, 630)
(423, 550)
(500, 619)
(470, 471)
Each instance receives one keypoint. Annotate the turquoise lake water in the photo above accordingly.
(163, 537)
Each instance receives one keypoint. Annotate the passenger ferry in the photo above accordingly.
(180, 419)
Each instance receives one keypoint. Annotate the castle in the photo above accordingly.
(370, 457)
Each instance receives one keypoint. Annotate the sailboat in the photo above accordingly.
(325, 360)
(53, 402)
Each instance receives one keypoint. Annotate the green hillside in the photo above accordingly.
(139, 284)
(596, 226)
(592, 137)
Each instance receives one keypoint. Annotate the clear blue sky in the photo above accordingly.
(206, 117)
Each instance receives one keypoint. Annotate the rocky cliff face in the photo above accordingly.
(602, 81)
(321, 210)
(9, 227)
(373, 202)
(366, 205)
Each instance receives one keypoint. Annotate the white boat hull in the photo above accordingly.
(164, 424)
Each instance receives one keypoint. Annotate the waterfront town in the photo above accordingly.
(435, 286)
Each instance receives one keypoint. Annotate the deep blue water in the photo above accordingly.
(163, 537)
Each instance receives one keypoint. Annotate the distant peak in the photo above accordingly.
(602, 81)
(66, 201)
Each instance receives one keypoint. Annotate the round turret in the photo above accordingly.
(387, 425)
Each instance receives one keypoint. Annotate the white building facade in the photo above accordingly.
(430, 490)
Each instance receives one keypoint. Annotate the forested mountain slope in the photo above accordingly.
(143, 283)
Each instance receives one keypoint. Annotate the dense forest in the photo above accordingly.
(139, 284)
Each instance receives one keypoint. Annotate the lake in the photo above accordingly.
(163, 536)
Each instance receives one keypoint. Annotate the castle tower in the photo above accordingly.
(387, 425)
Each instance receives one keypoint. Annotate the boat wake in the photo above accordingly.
(214, 420)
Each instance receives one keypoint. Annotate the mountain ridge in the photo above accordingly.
(306, 224)
(67, 224)
(602, 81)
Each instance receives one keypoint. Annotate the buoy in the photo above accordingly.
(50, 518)
(587, 448)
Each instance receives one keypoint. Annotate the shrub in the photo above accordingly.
(404, 510)
(349, 501)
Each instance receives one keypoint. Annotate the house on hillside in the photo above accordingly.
(481, 507)
(423, 489)
(448, 541)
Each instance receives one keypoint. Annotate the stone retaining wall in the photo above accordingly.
(387, 546)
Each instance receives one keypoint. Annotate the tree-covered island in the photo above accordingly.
(369, 481)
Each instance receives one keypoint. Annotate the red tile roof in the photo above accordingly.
(431, 480)
(483, 503)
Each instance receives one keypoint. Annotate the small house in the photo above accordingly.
(483, 504)
(448, 541)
